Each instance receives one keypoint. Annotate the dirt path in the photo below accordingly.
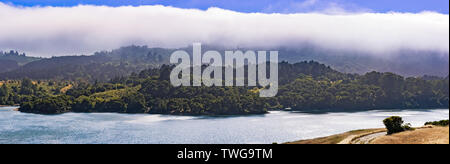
(364, 138)
(367, 138)
(348, 140)
(421, 135)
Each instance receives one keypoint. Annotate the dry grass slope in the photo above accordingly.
(335, 139)
(430, 135)
(435, 135)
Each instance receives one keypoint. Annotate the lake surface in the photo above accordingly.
(277, 126)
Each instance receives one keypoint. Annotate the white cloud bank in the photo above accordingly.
(53, 31)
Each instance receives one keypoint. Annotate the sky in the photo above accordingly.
(68, 27)
(266, 6)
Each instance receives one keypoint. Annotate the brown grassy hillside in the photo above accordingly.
(435, 135)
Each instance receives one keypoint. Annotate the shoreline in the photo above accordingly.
(247, 114)
(340, 138)
(15, 109)
(10, 105)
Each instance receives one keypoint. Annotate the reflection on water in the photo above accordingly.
(277, 126)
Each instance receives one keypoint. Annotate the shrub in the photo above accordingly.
(407, 126)
(393, 124)
(438, 123)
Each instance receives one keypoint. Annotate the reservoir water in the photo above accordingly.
(277, 126)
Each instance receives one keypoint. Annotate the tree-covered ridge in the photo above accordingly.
(304, 86)
(105, 65)
(13, 60)
(101, 66)
(14, 92)
(371, 91)
(20, 58)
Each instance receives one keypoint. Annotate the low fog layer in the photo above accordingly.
(56, 31)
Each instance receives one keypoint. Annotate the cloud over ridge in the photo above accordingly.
(54, 31)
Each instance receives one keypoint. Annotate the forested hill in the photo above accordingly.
(103, 66)
(8, 65)
(13, 60)
(305, 86)
(20, 58)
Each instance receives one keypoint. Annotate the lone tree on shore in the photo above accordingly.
(393, 124)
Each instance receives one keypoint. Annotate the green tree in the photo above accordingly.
(393, 124)
(27, 87)
(4, 95)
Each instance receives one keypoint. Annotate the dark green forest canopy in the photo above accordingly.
(304, 86)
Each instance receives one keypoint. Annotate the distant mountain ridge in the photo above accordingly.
(100, 66)
(20, 58)
(106, 65)
(13, 60)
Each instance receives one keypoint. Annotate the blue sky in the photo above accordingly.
(267, 6)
